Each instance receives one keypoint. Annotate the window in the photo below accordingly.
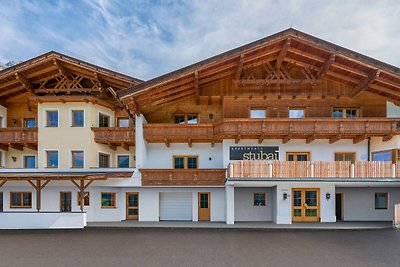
(259, 199)
(185, 162)
(104, 160)
(52, 159)
(381, 201)
(29, 162)
(52, 118)
(30, 123)
(86, 198)
(186, 118)
(345, 113)
(258, 113)
(345, 156)
(77, 158)
(297, 156)
(104, 120)
(108, 200)
(78, 118)
(296, 113)
(20, 200)
(123, 122)
(382, 155)
(123, 161)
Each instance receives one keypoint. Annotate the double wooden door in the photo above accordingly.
(132, 205)
(305, 206)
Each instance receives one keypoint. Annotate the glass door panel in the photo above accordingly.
(132, 206)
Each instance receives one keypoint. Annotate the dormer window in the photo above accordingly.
(258, 113)
(186, 119)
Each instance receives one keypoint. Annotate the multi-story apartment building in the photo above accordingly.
(286, 129)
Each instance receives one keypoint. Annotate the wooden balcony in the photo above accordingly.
(18, 138)
(115, 136)
(286, 129)
(186, 177)
(317, 169)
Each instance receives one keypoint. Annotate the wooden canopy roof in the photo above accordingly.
(55, 73)
(319, 59)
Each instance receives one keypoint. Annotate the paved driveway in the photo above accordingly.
(199, 247)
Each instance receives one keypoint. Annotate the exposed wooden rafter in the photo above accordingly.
(324, 69)
(282, 54)
(364, 84)
(62, 70)
(196, 86)
(25, 82)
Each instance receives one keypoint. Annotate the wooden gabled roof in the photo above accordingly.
(56, 73)
(324, 59)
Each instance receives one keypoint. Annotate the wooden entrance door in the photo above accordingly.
(339, 206)
(65, 201)
(204, 206)
(305, 205)
(132, 205)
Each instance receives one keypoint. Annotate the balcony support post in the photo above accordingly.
(312, 169)
(231, 173)
(270, 170)
(394, 170)
(352, 170)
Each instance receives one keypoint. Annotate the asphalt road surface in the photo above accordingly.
(199, 247)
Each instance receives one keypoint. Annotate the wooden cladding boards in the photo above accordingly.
(166, 113)
(314, 108)
(17, 112)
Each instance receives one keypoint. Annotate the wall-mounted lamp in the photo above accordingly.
(14, 159)
(284, 196)
(328, 196)
(211, 116)
(14, 121)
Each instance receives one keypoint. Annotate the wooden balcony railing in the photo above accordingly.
(172, 177)
(115, 136)
(318, 169)
(17, 138)
(308, 128)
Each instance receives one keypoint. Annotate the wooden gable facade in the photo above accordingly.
(287, 70)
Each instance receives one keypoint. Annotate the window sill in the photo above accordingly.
(108, 207)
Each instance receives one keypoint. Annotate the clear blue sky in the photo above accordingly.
(148, 38)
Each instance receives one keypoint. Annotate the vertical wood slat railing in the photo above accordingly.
(18, 135)
(317, 169)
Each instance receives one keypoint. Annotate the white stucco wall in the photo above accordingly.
(392, 110)
(320, 150)
(3, 116)
(378, 145)
(244, 205)
(359, 203)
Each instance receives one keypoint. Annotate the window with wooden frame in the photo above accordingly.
(185, 162)
(78, 118)
(77, 159)
(86, 198)
(345, 156)
(381, 201)
(29, 162)
(297, 113)
(21, 200)
(123, 122)
(345, 113)
(108, 200)
(104, 120)
(259, 199)
(29, 123)
(186, 119)
(298, 156)
(104, 160)
(258, 113)
(392, 155)
(51, 118)
(51, 159)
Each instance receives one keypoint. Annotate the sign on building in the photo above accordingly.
(254, 153)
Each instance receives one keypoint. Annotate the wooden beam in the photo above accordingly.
(4, 147)
(237, 139)
(282, 54)
(310, 139)
(2, 183)
(387, 138)
(239, 69)
(25, 82)
(113, 147)
(359, 139)
(125, 146)
(364, 84)
(17, 147)
(334, 139)
(62, 70)
(275, 81)
(260, 139)
(324, 69)
(166, 141)
(286, 139)
(103, 84)
(190, 142)
(31, 146)
(196, 86)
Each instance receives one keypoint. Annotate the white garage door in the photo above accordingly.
(176, 206)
